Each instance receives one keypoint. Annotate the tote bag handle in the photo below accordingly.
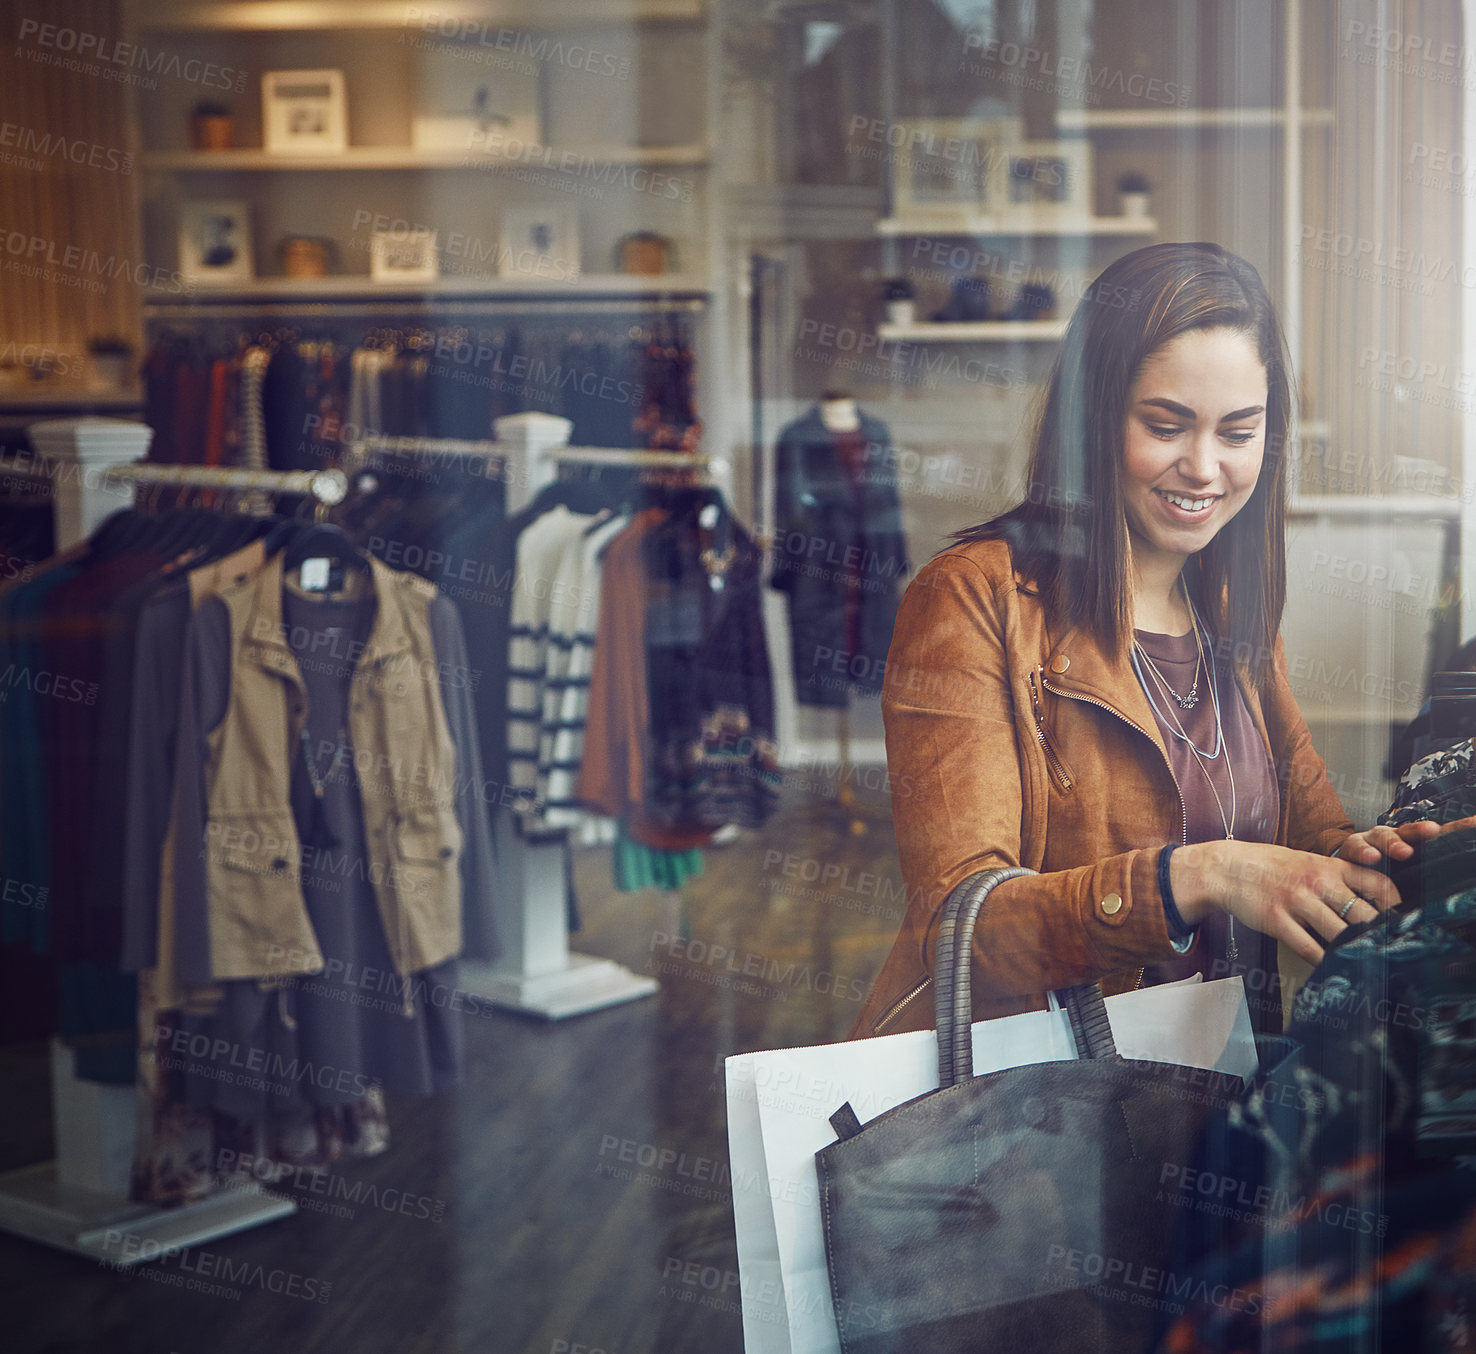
(953, 985)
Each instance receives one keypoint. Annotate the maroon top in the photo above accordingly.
(1257, 808)
(1257, 804)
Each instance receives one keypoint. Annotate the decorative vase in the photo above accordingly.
(901, 312)
(211, 132)
(1133, 204)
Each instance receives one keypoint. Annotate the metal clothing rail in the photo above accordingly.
(367, 451)
(327, 486)
(620, 456)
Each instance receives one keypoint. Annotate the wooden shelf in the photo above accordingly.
(412, 157)
(471, 16)
(1067, 227)
(69, 397)
(1182, 119)
(1002, 331)
(358, 287)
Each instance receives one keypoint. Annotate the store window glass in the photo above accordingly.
(540, 545)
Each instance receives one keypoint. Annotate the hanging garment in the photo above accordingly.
(613, 776)
(163, 625)
(215, 416)
(181, 1152)
(648, 867)
(839, 554)
(668, 419)
(540, 548)
(191, 402)
(254, 366)
(710, 756)
(244, 691)
(572, 636)
(364, 1014)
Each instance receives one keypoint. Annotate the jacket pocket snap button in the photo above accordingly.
(1111, 904)
(1060, 663)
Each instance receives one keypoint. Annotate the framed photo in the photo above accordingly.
(1047, 179)
(540, 242)
(304, 112)
(946, 167)
(471, 98)
(403, 256)
(215, 241)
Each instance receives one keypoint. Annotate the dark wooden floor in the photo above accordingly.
(554, 1239)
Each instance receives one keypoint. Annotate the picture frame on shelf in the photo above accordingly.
(403, 256)
(1049, 180)
(464, 103)
(952, 168)
(304, 112)
(539, 242)
(215, 241)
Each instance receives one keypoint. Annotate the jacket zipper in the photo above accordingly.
(898, 1006)
(1090, 700)
(1057, 766)
(1132, 724)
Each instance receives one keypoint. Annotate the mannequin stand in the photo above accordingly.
(845, 796)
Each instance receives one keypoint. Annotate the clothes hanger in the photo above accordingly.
(116, 533)
(325, 540)
(281, 533)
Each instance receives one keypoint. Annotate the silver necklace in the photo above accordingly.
(1191, 698)
(1201, 759)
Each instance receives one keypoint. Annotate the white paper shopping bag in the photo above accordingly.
(779, 1103)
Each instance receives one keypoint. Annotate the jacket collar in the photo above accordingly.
(265, 640)
(1075, 665)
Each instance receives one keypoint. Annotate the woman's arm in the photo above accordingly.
(962, 778)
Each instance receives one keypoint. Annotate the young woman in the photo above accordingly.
(1093, 685)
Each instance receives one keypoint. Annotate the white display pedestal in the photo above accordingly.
(537, 973)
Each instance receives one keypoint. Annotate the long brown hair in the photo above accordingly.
(1069, 536)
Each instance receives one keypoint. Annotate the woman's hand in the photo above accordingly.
(1396, 843)
(1300, 898)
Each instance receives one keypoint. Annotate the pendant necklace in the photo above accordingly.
(1232, 949)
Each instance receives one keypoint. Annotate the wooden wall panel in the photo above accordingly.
(70, 261)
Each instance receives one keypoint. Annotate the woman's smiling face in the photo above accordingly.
(1194, 440)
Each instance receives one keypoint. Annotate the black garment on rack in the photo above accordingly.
(711, 759)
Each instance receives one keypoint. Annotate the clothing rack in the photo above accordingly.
(713, 470)
(537, 974)
(328, 486)
(362, 456)
(78, 1201)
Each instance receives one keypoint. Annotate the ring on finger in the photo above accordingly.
(1343, 912)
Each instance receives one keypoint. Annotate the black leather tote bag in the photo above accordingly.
(1021, 1210)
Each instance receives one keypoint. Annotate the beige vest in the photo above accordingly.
(406, 763)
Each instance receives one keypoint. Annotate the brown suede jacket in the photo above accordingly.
(1009, 743)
